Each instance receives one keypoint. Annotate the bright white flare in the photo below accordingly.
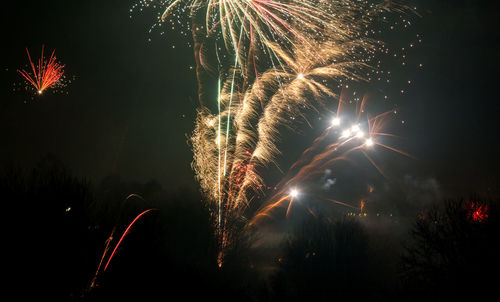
(369, 142)
(346, 133)
(294, 193)
(336, 121)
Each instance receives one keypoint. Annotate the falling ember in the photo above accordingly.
(220, 259)
(45, 74)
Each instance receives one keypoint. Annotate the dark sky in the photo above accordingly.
(133, 101)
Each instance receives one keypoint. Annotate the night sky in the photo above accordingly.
(132, 104)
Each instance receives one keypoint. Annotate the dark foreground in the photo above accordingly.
(57, 227)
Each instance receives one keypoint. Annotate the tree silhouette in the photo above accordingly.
(57, 225)
(47, 237)
(452, 252)
(326, 260)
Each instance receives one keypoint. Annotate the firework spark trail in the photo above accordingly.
(304, 83)
(320, 141)
(275, 100)
(343, 203)
(307, 169)
(299, 51)
(44, 75)
(93, 283)
(228, 124)
(219, 195)
(289, 23)
(125, 234)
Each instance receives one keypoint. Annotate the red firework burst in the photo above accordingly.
(476, 211)
(45, 74)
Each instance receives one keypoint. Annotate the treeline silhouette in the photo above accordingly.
(326, 258)
(56, 228)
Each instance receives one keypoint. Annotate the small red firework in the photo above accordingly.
(477, 212)
(44, 75)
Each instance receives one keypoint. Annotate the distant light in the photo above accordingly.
(355, 128)
(369, 142)
(40, 91)
(294, 193)
(300, 76)
(360, 134)
(336, 121)
(68, 209)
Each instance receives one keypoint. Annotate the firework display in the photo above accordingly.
(45, 74)
(275, 62)
(343, 137)
(260, 150)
